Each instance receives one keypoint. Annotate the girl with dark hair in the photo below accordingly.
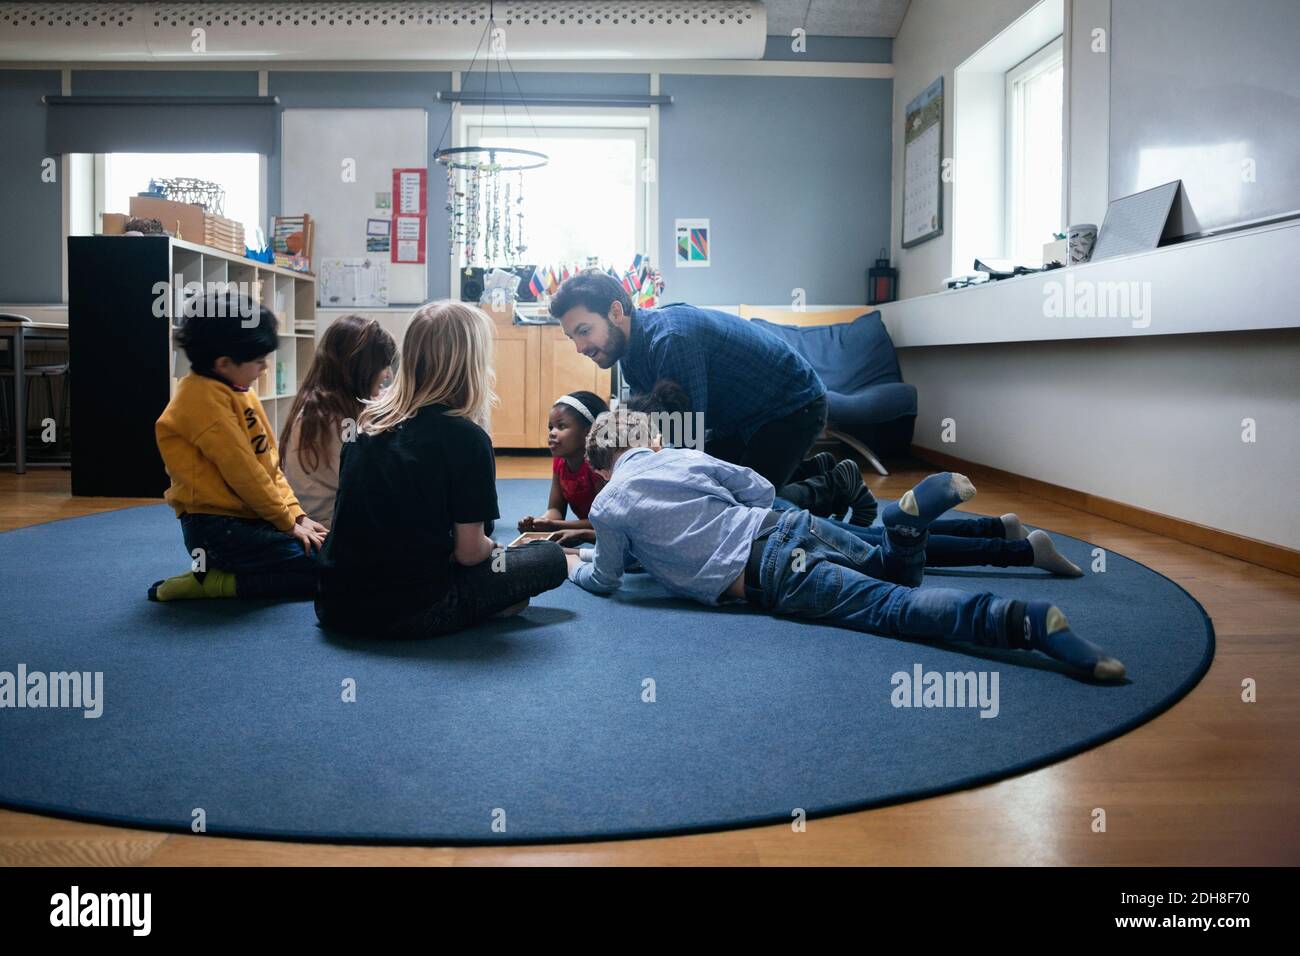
(573, 483)
(351, 363)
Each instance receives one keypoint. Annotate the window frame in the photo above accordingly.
(1046, 58)
(98, 191)
(641, 122)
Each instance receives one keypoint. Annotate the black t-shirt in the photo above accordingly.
(388, 554)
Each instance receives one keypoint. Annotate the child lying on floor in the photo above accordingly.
(960, 541)
(705, 529)
(829, 488)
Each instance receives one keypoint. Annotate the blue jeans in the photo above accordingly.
(813, 568)
(957, 542)
(265, 562)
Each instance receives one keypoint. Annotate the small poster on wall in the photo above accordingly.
(347, 283)
(409, 191)
(922, 166)
(692, 243)
(408, 238)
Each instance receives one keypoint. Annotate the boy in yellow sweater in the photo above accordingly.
(241, 523)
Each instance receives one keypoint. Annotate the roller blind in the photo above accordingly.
(153, 124)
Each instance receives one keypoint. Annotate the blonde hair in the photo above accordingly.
(616, 431)
(446, 360)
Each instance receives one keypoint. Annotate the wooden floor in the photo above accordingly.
(1212, 781)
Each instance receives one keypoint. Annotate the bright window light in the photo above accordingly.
(586, 201)
(1035, 105)
(127, 174)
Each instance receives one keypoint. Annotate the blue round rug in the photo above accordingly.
(584, 718)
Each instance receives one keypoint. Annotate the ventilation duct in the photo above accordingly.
(432, 30)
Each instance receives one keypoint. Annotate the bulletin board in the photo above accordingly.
(344, 198)
(922, 166)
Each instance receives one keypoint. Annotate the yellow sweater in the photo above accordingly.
(220, 453)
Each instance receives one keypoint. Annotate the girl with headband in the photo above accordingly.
(573, 483)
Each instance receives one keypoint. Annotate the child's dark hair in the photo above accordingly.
(351, 355)
(590, 401)
(594, 290)
(223, 324)
(665, 396)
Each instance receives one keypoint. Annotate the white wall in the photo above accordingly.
(935, 37)
(1088, 105)
(1152, 421)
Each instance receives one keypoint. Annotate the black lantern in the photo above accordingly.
(882, 281)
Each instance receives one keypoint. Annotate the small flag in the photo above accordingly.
(535, 285)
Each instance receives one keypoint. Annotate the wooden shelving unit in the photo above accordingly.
(290, 295)
(121, 335)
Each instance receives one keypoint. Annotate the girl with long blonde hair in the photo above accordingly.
(408, 554)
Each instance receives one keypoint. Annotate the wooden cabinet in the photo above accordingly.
(562, 370)
(514, 419)
(535, 365)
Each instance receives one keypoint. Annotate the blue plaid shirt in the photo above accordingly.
(740, 375)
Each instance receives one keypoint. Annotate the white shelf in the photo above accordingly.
(1230, 283)
(290, 295)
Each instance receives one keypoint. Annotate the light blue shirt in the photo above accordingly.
(689, 519)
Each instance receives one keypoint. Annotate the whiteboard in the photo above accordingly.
(314, 146)
(1207, 91)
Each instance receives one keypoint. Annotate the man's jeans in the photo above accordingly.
(815, 569)
(776, 450)
(265, 562)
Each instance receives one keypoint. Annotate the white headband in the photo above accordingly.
(574, 403)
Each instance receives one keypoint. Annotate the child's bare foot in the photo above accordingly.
(513, 609)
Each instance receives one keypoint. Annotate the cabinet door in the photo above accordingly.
(514, 419)
(564, 370)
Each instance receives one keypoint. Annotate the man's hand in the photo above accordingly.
(544, 524)
(526, 523)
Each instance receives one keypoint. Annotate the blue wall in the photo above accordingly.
(792, 172)
(31, 268)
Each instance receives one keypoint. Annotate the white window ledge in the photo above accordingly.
(1230, 283)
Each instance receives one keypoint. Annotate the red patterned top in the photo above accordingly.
(579, 487)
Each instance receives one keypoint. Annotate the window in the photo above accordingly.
(1034, 110)
(119, 176)
(588, 200)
